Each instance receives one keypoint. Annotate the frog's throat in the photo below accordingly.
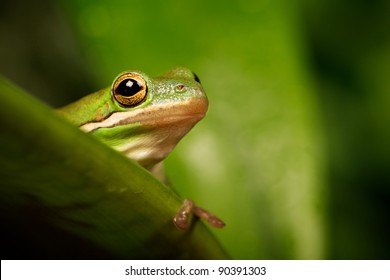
(192, 110)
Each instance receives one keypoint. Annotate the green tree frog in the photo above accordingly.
(144, 118)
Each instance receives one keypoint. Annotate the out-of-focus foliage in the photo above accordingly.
(350, 52)
(293, 153)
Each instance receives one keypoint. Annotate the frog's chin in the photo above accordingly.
(155, 142)
(154, 133)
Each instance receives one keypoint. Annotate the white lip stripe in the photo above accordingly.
(153, 114)
(111, 121)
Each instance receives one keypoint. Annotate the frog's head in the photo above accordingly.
(145, 117)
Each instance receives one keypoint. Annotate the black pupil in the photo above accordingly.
(128, 87)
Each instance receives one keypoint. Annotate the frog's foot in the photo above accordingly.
(209, 217)
(183, 216)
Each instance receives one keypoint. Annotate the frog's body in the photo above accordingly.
(144, 118)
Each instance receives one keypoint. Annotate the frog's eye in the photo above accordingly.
(129, 89)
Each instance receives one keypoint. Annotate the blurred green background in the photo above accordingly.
(294, 153)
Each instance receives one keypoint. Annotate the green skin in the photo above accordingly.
(147, 132)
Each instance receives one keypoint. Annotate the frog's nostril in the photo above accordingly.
(196, 77)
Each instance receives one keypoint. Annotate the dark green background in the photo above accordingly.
(294, 153)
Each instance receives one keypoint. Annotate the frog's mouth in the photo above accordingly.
(188, 112)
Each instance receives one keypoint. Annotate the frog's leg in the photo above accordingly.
(183, 216)
(158, 171)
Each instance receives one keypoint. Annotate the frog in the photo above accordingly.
(144, 118)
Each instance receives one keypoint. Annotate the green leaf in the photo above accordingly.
(66, 195)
